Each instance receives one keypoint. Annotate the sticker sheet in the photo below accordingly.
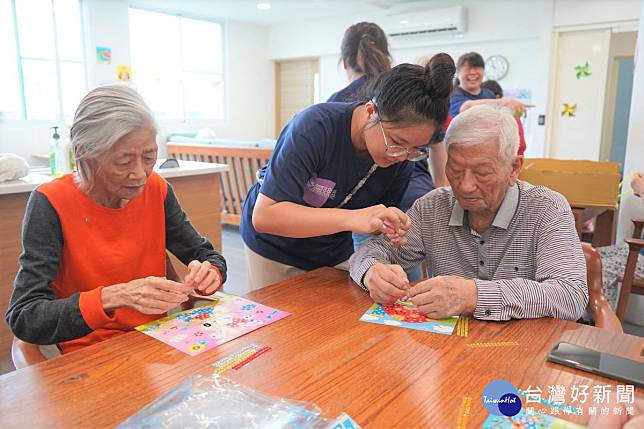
(199, 329)
(403, 313)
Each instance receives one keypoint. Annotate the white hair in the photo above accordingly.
(482, 124)
(104, 116)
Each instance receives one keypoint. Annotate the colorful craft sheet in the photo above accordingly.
(343, 421)
(199, 329)
(533, 421)
(406, 315)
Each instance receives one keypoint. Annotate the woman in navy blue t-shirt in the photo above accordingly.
(365, 55)
(339, 168)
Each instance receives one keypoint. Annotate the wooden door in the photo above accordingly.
(295, 88)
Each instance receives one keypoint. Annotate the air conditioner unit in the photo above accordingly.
(451, 20)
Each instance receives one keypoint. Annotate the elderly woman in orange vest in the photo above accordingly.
(94, 258)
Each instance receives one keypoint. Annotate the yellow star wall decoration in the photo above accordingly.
(568, 110)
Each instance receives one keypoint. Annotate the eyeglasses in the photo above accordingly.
(413, 154)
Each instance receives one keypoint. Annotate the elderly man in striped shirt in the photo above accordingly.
(495, 246)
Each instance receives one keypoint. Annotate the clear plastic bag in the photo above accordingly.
(218, 402)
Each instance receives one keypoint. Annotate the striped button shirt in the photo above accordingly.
(527, 264)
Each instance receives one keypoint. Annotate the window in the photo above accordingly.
(43, 73)
(177, 65)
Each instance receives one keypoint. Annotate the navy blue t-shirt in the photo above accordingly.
(314, 164)
(349, 93)
(420, 183)
(460, 96)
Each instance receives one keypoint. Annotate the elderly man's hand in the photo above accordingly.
(444, 296)
(390, 221)
(386, 283)
(202, 277)
(151, 295)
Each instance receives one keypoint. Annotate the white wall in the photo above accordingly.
(594, 12)
(250, 82)
(106, 25)
(516, 33)
(322, 37)
(522, 34)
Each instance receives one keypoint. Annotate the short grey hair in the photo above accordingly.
(104, 116)
(482, 124)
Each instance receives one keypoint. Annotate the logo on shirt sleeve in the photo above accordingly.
(318, 191)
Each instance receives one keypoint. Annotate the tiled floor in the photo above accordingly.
(233, 250)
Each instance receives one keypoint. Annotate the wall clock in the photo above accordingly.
(496, 67)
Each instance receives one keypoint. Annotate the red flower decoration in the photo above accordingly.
(404, 313)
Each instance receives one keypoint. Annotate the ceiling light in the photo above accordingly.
(263, 6)
(404, 21)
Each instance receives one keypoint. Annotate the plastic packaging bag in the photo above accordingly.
(218, 402)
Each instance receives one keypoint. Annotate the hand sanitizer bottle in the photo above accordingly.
(53, 151)
(63, 164)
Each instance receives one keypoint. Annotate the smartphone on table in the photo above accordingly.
(605, 364)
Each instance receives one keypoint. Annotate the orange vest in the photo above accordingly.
(104, 246)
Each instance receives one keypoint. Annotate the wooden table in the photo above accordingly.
(381, 376)
(196, 184)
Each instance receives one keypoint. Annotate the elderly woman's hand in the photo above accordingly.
(202, 277)
(151, 295)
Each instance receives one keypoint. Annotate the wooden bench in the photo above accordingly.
(243, 163)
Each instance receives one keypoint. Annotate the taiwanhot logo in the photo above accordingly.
(501, 398)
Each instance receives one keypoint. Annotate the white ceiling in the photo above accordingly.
(281, 10)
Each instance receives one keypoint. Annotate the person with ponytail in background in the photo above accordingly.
(365, 55)
(339, 168)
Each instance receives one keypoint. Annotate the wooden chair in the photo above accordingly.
(629, 283)
(598, 306)
(24, 354)
(243, 163)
